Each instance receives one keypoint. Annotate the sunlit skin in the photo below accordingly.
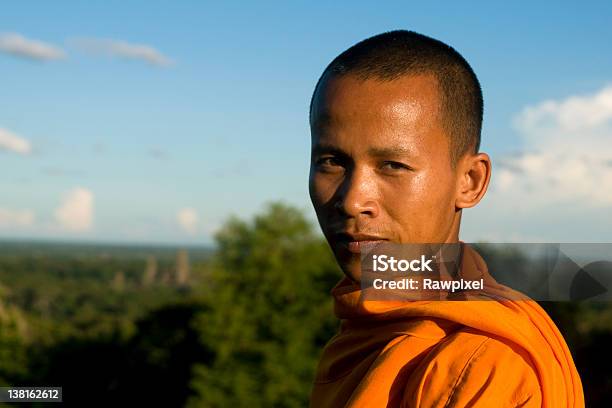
(381, 167)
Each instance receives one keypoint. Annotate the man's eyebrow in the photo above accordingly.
(390, 151)
(326, 148)
(395, 151)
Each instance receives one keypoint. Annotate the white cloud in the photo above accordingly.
(573, 115)
(14, 143)
(18, 45)
(122, 49)
(18, 218)
(188, 220)
(76, 211)
(567, 155)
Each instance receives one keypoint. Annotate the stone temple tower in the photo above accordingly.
(150, 273)
(182, 268)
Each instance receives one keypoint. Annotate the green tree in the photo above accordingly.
(13, 344)
(272, 312)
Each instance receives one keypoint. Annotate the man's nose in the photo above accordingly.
(358, 194)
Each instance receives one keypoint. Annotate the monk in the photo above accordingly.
(395, 131)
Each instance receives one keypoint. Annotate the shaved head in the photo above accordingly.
(392, 55)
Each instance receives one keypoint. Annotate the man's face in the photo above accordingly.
(380, 165)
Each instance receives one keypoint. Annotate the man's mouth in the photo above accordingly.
(356, 243)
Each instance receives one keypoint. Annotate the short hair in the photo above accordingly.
(395, 54)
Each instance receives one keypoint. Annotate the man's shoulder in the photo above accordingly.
(469, 364)
(467, 347)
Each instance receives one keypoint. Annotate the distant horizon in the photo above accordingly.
(100, 243)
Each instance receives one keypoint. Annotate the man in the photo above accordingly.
(395, 124)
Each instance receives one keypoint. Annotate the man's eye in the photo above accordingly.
(328, 162)
(392, 165)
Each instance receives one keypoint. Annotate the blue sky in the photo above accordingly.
(162, 144)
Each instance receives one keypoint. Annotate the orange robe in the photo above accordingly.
(472, 353)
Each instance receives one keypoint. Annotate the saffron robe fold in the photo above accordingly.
(500, 352)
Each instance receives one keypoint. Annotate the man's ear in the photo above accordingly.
(474, 172)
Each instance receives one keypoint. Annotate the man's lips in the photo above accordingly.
(355, 243)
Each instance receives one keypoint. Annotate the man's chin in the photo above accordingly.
(350, 263)
(352, 271)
